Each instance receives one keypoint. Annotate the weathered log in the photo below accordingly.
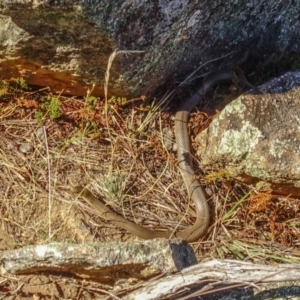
(226, 272)
(103, 262)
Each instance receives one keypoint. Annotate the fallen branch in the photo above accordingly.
(227, 271)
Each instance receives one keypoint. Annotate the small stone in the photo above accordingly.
(168, 138)
(25, 148)
(40, 134)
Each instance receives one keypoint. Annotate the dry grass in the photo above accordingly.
(123, 153)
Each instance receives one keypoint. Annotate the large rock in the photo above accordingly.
(66, 44)
(257, 136)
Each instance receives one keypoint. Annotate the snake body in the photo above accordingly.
(200, 227)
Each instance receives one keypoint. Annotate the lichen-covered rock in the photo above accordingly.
(257, 136)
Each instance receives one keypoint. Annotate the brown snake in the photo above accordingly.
(200, 227)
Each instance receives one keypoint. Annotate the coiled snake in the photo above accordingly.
(200, 227)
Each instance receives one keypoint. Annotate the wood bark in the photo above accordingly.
(103, 262)
(213, 276)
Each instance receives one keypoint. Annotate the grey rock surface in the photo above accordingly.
(258, 135)
(66, 44)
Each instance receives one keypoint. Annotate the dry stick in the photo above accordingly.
(49, 184)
